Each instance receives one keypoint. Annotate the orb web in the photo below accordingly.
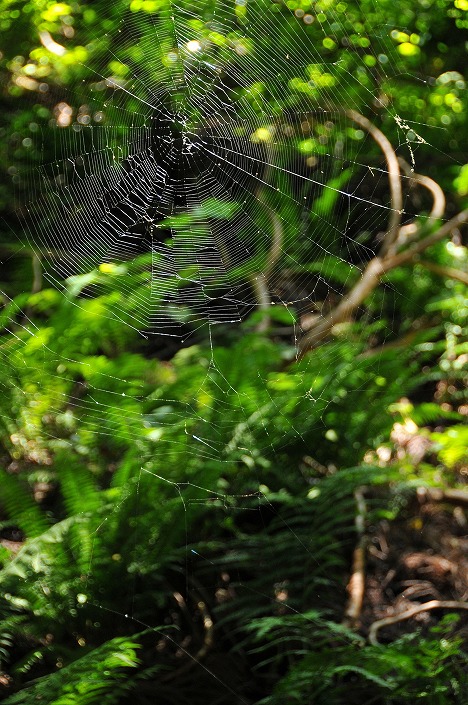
(210, 170)
(193, 147)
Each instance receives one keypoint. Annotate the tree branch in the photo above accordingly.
(438, 196)
(408, 232)
(394, 178)
(370, 279)
(409, 254)
(365, 286)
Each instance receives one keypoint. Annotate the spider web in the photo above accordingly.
(222, 183)
(187, 152)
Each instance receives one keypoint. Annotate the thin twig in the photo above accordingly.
(208, 642)
(276, 242)
(438, 196)
(356, 585)
(402, 342)
(449, 272)
(262, 297)
(208, 625)
(394, 178)
(37, 273)
(409, 232)
(259, 280)
(412, 612)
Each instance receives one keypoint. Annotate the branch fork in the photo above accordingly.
(414, 238)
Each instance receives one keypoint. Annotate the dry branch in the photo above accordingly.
(259, 281)
(394, 177)
(208, 642)
(438, 196)
(407, 614)
(262, 297)
(449, 272)
(411, 231)
(435, 494)
(356, 585)
(37, 273)
(388, 258)
(370, 279)
(365, 286)
(409, 254)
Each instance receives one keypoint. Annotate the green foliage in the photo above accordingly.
(207, 466)
(148, 484)
(20, 506)
(205, 447)
(452, 445)
(429, 669)
(96, 677)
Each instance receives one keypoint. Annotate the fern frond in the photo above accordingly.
(20, 505)
(97, 678)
